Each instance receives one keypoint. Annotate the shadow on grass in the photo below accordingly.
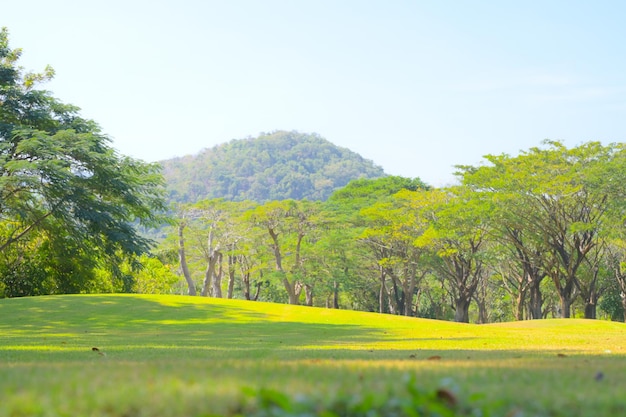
(136, 327)
(149, 328)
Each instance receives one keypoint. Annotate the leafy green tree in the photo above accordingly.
(395, 225)
(349, 208)
(523, 249)
(516, 283)
(218, 234)
(433, 300)
(342, 263)
(553, 204)
(22, 271)
(493, 299)
(365, 192)
(150, 276)
(59, 172)
(459, 224)
(58, 263)
(286, 224)
(250, 260)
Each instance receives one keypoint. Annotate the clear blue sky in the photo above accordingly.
(415, 86)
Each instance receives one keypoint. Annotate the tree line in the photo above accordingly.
(531, 236)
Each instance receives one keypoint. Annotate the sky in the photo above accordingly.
(415, 86)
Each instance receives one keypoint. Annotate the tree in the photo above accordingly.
(552, 205)
(182, 256)
(287, 223)
(395, 225)
(249, 261)
(575, 199)
(342, 261)
(516, 227)
(58, 171)
(149, 275)
(365, 192)
(457, 233)
(352, 212)
(218, 235)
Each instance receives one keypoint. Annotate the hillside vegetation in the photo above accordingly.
(123, 355)
(277, 166)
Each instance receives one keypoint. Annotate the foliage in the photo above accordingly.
(22, 277)
(394, 226)
(146, 275)
(64, 192)
(364, 192)
(611, 303)
(276, 166)
(443, 402)
(555, 207)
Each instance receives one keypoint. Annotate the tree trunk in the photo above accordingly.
(258, 290)
(461, 315)
(566, 293)
(483, 317)
(590, 310)
(294, 298)
(208, 277)
(535, 305)
(480, 297)
(293, 292)
(183, 260)
(231, 276)
(394, 297)
(308, 293)
(590, 295)
(217, 280)
(298, 290)
(245, 279)
(519, 306)
(335, 295)
(408, 296)
(382, 292)
(566, 306)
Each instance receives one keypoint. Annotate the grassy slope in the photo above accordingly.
(178, 356)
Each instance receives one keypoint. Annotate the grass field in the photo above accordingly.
(127, 355)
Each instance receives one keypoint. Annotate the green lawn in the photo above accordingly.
(184, 356)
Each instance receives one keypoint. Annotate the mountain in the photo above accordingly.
(276, 166)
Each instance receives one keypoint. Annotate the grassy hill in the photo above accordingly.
(129, 355)
(277, 166)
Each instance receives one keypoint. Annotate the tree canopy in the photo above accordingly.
(60, 179)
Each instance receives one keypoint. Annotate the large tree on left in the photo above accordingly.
(60, 176)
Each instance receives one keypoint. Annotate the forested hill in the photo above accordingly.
(276, 166)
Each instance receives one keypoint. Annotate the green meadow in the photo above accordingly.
(139, 355)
